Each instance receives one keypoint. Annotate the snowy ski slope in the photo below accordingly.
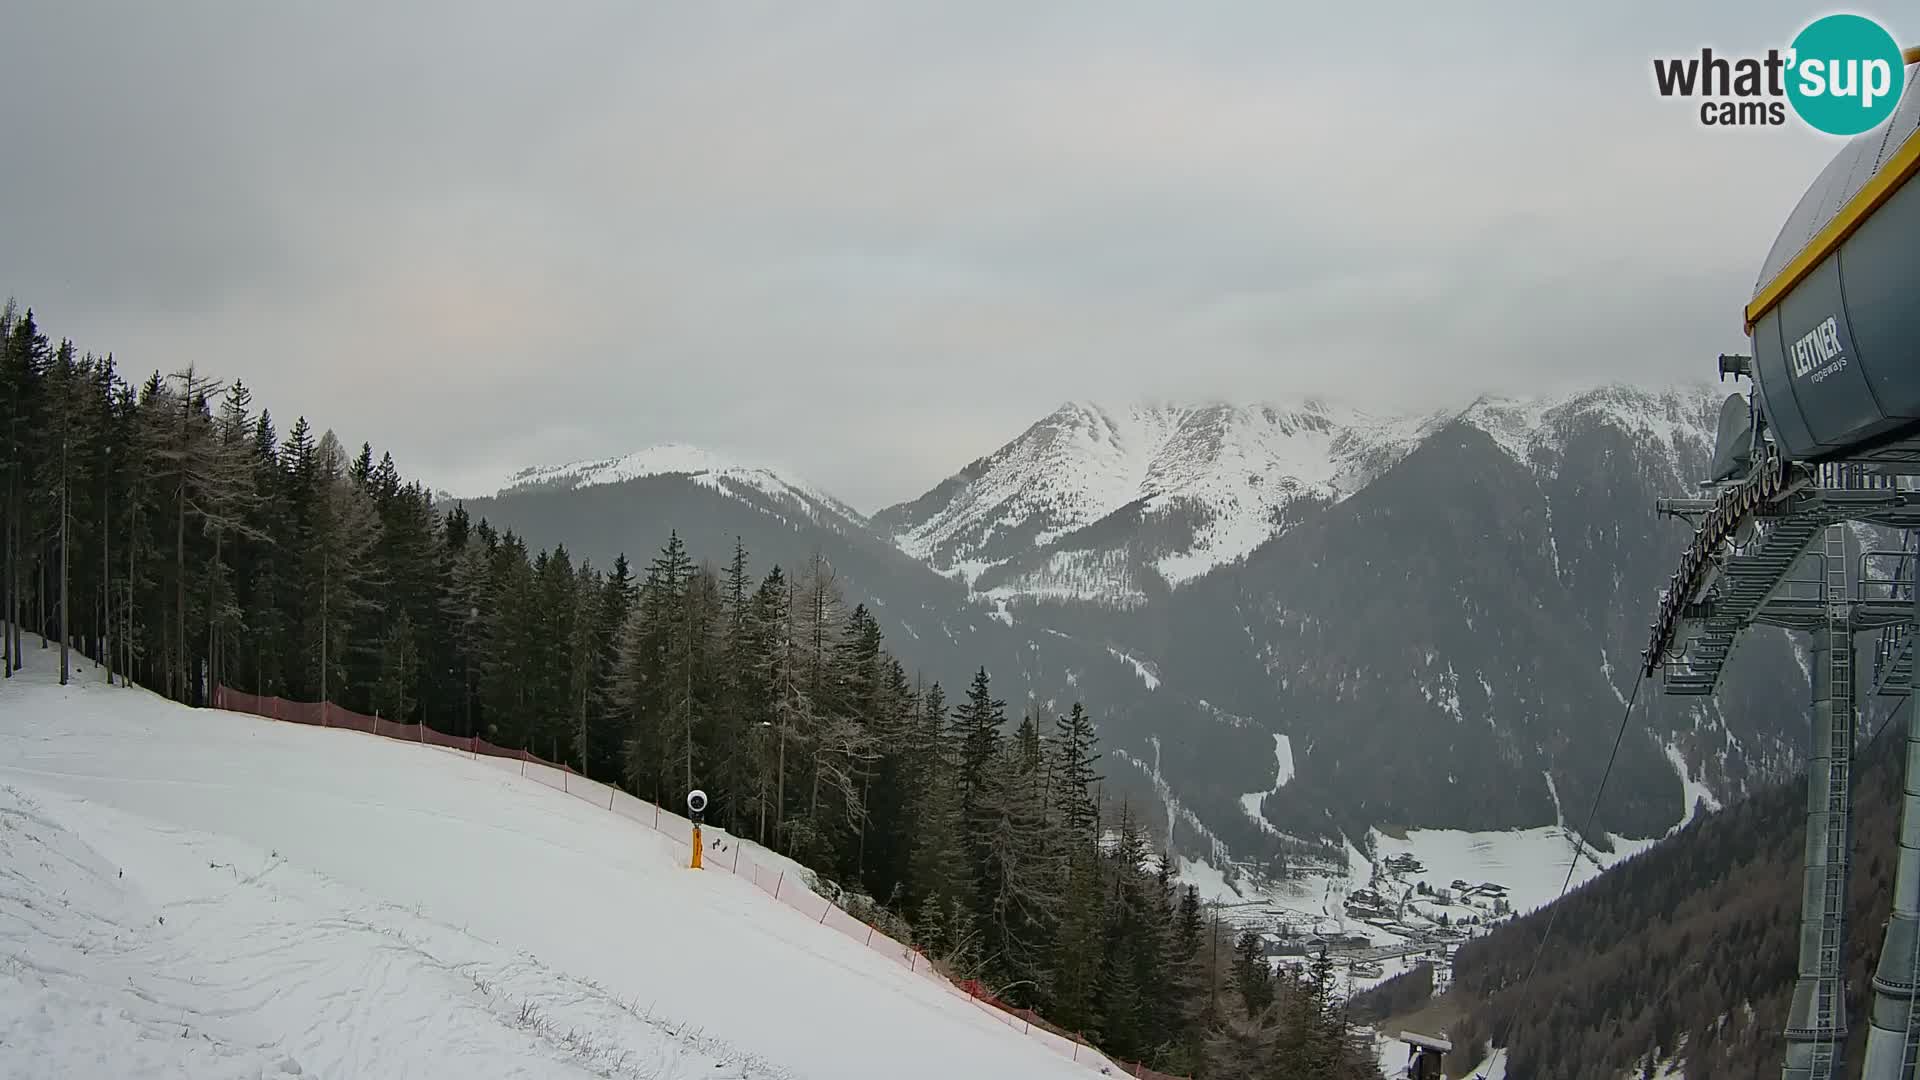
(196, 893)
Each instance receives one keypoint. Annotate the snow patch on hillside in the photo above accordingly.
(1146, 673)
(1208, 881)
(1178, 815)
(1283, 772)
(1695, 792)
(1283, 761)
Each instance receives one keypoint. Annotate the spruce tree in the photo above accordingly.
(1253, 978)
(737, 694)
(69, 428)
(1023, 874)
(22, 388)
(400, 668)
(937, 871)
(468, 596)
(339, 575)
(509, 674)
(977, 736)
(583, 656)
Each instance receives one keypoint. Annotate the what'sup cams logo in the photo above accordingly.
(1842, 75)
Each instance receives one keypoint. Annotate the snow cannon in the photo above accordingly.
(696, 805)
(1834, 321)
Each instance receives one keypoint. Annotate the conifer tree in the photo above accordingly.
(203, 481)
(26, 355)
(607, 735)
(508, 679)
(227, 503)
(468, 596)
(181, 540)
(655, 652)
(1023, 872)
(339, 576)
(938, 876)
(977, 737)
(1253, 978)
(583, 655)
(734, 765)
(68, 416)
(400, 667)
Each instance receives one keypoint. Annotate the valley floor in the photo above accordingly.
(1524, 868)
(194, 893)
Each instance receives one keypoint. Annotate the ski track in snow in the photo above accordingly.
(1283, 772)
(208, 948)
(337, 904)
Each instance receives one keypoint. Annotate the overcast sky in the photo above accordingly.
(870, 242)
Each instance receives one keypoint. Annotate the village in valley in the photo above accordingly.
(1399, 917)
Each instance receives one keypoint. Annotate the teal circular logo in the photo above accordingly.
(1845, 74)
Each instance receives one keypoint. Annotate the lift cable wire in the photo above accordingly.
(1553, 909)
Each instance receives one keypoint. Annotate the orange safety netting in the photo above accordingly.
(723, 853)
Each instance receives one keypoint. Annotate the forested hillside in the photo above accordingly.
(170, 530)
(1687, 949)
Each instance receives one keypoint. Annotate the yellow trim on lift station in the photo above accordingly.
(1900, 168)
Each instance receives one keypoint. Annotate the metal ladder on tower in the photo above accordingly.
(1828, 999)
(1910, 1049)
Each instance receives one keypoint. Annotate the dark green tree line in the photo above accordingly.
(171, 535)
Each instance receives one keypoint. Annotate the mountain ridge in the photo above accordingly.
(1339, 620)
(1116, 506)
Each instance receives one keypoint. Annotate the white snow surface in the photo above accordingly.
(197, 893)
(1530, 864)
(1283, 772)
(704, 467)
(1207, 880)
(1694, 791)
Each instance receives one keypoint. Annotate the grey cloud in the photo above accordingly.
(871, 240)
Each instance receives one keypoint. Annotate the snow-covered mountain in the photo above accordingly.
(1115, 504)
(1674, 424)
(755, 483)
(1452, 646)
(1439, 609)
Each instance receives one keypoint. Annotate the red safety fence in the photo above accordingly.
(777, 877)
